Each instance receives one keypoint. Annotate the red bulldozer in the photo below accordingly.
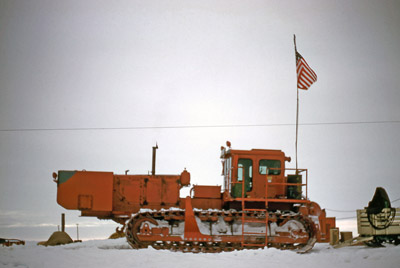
(260, 204)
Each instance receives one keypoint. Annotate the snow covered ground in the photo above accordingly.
(117, 253)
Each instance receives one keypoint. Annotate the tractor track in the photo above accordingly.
(138, 225)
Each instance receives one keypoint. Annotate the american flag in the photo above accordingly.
(305, 75)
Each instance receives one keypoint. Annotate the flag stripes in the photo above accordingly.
(305, 75)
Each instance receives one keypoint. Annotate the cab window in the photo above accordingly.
(270, 167)
(227, 172)
(246, 169)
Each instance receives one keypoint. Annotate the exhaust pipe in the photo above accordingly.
(62, 222)
(153, 167)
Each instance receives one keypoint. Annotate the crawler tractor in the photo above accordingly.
(261, 204)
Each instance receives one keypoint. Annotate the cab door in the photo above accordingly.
(244, 174)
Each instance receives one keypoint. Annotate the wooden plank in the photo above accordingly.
(354, 241)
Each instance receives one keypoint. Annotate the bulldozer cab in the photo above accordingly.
(246, 172)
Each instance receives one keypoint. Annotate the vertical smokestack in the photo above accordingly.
(77, 232)
(153, 167)
(62, 222)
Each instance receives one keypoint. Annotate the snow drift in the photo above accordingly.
(117, 253)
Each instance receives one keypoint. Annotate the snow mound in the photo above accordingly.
(57, 238)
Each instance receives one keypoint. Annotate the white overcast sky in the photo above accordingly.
(123, 64)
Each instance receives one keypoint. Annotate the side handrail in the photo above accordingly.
(297, 172)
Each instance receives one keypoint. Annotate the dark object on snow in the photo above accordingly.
(379, 221)
(379, 201)
(6, 242)
(57, 238)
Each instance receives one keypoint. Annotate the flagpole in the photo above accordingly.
(305, 78)
(297, 107)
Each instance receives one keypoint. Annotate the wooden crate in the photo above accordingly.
(365, 228)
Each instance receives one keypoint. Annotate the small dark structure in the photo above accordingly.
(379, 220)
(6, 242)
(58, 238)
